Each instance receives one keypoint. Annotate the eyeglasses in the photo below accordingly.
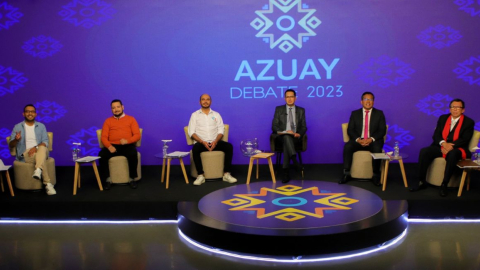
(289, 96)
(30, 111)
(368, 99)
(456, 107)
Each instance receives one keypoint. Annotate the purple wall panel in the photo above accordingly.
(71, 58)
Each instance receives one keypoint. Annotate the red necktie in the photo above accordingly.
(365, 133)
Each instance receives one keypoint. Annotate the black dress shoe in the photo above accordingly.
(419, 187)
(443, 190)
(345, 179)
(133, 184)
(286, 176)
(107, 185)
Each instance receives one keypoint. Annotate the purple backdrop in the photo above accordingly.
(73, 57)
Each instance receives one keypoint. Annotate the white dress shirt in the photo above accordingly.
(206, 126)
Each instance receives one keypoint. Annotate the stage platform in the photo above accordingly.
(152, 201)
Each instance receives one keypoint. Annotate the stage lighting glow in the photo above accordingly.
(295, 259)
(17, 221)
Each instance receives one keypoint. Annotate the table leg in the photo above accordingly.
(75, 179)
(257, 167)
(462, 182)
(163, 169)
(272, 172)
(183, 170)
(250, 170)
(400, 161)
(9, 182)
(1, 182)
(79, 176)
(385, 175)
(168, 170)
(94, 164)
(468, 181)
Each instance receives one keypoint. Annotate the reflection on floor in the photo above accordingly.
(158, 246)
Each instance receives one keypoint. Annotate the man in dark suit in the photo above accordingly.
(288, 127)
(450, 140)
(366, 129)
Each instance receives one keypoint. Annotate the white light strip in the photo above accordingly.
(423, 220)
(12, 221)
(250, 257)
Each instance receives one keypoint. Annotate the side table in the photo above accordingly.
(258, 156)
(467, 166)
(168, 158)
(77, 178)
(4, 168)
(400, 162)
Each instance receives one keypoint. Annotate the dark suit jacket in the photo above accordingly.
(378, 125)
(464, 137)
(280, 119)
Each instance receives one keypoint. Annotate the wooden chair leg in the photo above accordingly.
(9, 182)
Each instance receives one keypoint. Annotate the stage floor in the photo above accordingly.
(152, 201)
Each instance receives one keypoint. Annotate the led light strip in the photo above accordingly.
(294, 260)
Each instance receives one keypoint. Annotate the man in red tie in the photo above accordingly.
(450, 141)
(366, 128)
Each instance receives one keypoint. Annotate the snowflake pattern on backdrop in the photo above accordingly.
(88, 139)
(470, 6)
(469, 70)
(435, 105)
(9, 15)
(397, 134)
(42, 46)
(4, 151)
(285, 24)
(49, 111)
(10, 80)
(384, 71)
(439, 36)
(87, 13)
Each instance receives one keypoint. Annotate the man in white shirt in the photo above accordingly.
(31, 141)
(206, 129)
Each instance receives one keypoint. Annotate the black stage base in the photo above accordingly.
(152, 201)
(298, 218)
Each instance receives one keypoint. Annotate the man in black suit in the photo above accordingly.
(366, 129)
(289, 126)
(450, 140)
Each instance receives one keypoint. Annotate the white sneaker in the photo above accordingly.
(229, 178)
(50, 190)
(37, 174)
(200, 180)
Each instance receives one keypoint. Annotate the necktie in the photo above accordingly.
(365, 133)
(290, 120)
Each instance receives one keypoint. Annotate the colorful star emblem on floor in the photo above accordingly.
(288, 198)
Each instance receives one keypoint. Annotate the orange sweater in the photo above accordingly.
(116, 129)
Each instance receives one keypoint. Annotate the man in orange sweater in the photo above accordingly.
(119, 135)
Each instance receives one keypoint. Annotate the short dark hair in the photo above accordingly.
(367, 93)
(29, 105)
(457, 100)
(116, 100)
(291, 90)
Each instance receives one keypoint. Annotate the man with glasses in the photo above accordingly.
(450, 140)
(366, 128)
(289, 126)
(31, 141)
